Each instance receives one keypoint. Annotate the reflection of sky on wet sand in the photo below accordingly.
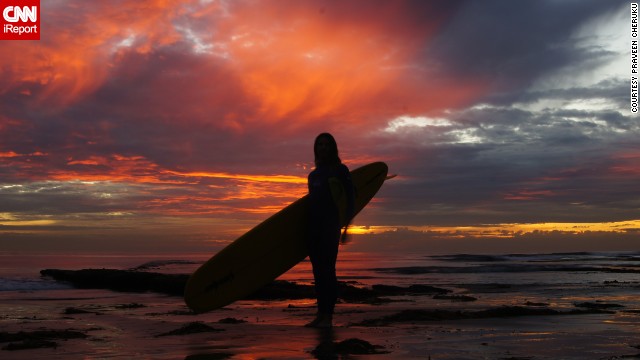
(271, 331)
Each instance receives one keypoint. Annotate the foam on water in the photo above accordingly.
(26, 284)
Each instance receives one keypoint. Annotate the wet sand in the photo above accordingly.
(407, 325)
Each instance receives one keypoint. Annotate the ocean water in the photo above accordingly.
(602, 276)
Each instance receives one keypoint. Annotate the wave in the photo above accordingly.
(24, 284)
(511, 268)
(470, 258)
(157, 264)
(610, 262)
(541, 257)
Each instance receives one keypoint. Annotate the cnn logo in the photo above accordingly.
(20, 20)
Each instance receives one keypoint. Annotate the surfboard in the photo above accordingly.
(268, 250)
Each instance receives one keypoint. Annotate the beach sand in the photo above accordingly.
(147, 326)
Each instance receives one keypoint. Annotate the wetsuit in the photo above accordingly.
(324, 234)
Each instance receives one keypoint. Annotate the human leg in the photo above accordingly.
(323, 255)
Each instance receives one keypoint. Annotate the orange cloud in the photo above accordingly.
(230, 194)
(141, 170)
(258, 178)
(80, 43)
(116, 168)
(300, 63)
(295, 62)
(9, 154)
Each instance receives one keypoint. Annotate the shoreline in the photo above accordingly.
(410, 322)
(456, 307)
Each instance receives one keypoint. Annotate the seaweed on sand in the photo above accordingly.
(191, 328)
(37, 339)
(353, 346)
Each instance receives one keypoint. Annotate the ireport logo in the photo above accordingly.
(20, 20)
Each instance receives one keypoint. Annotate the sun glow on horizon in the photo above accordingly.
(8, 219)
(505, 230)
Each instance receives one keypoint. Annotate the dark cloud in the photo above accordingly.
(543, 165)
(512, 43)
(614, 90)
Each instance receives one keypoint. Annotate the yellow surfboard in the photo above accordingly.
(268, 250)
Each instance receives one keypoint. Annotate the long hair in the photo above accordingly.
(332, 157)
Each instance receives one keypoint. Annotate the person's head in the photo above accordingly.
(325, 150)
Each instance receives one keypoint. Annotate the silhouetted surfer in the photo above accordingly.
(324, 223)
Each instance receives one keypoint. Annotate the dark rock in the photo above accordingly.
(121, 280)
(214, 356)
(41, 334)
(231, 321)
(455, 297)
(37, 339)
(130, 306)
(530, 303)
(74, 311)
(173, 284)
(356, 346)
(191, 328)
(30, 344)
(155, 264)
(597, 305)
(353, 346)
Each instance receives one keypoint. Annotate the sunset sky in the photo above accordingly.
(179, 125)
